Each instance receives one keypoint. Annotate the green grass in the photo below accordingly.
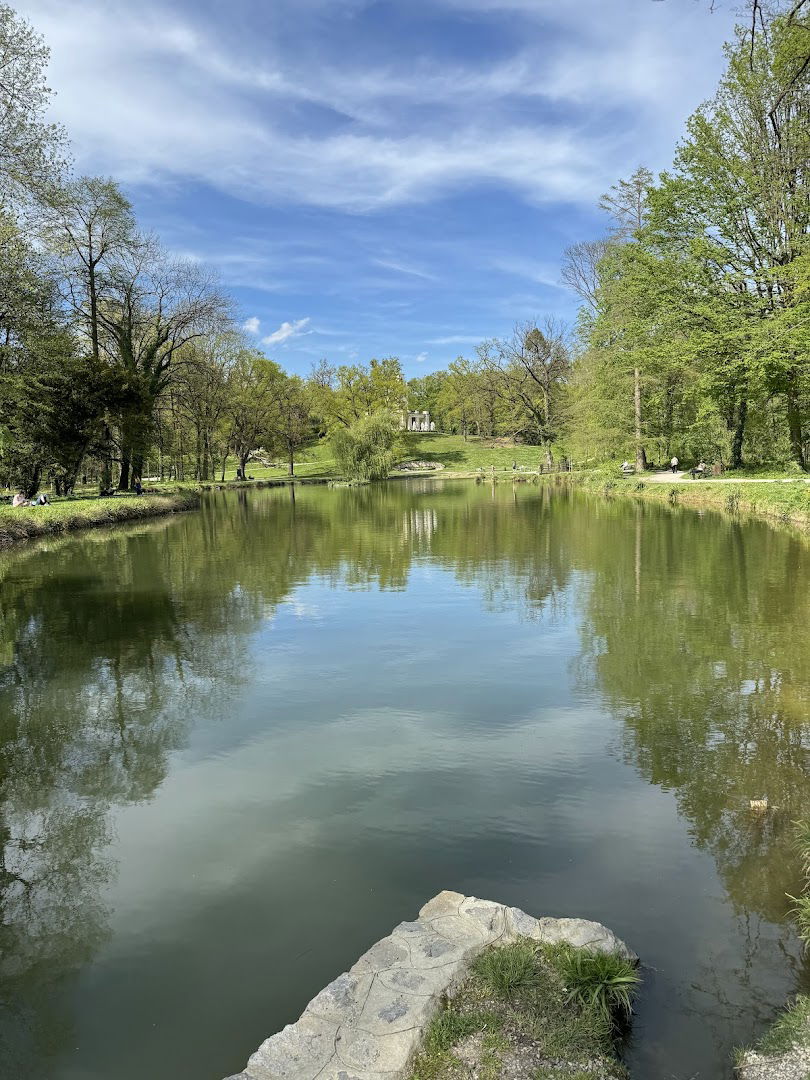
(785, 502)
(603, 982)
(451, 451)
(525, 991)
(509, 969)
(790, 1030)
(26, 522)
(802, 844)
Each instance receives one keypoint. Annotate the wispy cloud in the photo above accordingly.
(184, 99)
(251, 325)
(286, 331)
(457, 339)
(541, 273)
(403, 268)
(421, 358)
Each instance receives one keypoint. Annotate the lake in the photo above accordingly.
(237, 746)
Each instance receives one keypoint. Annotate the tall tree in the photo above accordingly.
(254, 390)
(31, 149)
(156, 305)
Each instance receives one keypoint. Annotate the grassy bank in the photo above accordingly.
(526, 1009)
(27, 522)
(783, 1053)
(783, 501)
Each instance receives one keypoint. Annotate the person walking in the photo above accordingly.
(674, 464)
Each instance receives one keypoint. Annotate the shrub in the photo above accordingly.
(604, 982)
(732, 503)
(367, 449)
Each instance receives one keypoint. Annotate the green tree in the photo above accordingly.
(367, 449)
(291, 421)
(254, 390)
(31, 149)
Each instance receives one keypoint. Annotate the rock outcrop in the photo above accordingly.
(368, 1023)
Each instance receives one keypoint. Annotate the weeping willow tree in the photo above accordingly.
(367, 450)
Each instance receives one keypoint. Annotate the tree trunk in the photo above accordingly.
(641, 455)
(740, 417)
(123, 479)
(33, 484)
(292, 462)
(137, 468)
(105, 480)
(794, 417)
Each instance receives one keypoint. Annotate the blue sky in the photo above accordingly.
(378, 178)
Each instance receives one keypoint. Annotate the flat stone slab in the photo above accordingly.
(368, 1024)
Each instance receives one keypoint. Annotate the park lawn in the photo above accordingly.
(65, 515)
(452, 451)
(468, 455)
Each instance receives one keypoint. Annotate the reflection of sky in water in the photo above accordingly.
(336, 752)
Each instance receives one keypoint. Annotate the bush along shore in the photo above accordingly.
(783, 1053)
(28, 522)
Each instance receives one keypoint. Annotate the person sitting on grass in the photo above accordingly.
(19, 499)
(40, 500)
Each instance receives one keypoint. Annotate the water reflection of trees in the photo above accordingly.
(111, 645)
(694, 629)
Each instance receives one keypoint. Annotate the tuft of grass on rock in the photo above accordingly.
(509, 969)
(602, 982)
(528, 1006)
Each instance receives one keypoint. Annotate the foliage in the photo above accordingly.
(604, 982)
(367, 449)
(31, 149)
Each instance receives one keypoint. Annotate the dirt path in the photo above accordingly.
(669, 477)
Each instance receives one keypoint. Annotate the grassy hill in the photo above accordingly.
(456, 454)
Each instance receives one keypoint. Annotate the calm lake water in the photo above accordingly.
(237, 746)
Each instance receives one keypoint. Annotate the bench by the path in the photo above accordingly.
(368, 1023)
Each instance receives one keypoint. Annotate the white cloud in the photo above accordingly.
(541, 273)
(421, 358)
(458, 339)
(251, 325)
(286, 331)
(185, 101)
(403, 268)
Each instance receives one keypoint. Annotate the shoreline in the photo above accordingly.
(59, 518)
(786, 502)
(381, 1016)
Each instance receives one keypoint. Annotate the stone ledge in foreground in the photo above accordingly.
(368, 1023)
